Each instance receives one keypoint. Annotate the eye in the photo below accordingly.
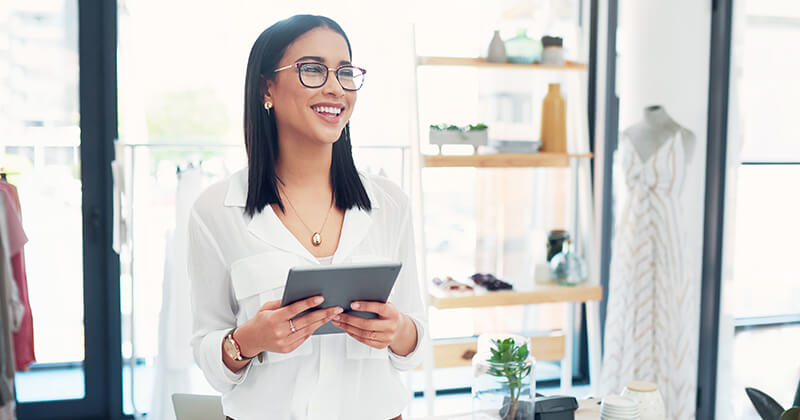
(312, 68)
(346, 72)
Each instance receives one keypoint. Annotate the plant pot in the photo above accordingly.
(473, 138)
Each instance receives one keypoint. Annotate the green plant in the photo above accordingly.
(452, 127)
(510, 361)
(769, 409)
(791, 414)
(797, 395)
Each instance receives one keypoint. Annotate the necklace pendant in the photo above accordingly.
(316, 239)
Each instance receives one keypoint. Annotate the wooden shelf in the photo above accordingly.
(542, 293)
(457, 353)
(503, 160)
(480, 62)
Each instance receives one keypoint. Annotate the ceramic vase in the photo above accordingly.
(497, 49)
(554, 121)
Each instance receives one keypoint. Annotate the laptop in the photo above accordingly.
(197, 407)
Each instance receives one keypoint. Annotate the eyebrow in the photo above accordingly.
(317, 58)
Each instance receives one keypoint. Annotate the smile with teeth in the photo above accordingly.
(327, 110)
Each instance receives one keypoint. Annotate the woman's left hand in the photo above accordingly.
(379, 332)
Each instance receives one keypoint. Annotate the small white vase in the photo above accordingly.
(497, 50)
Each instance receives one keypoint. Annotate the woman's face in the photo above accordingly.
(305, 113)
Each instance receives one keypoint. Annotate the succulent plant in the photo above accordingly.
(452, 127)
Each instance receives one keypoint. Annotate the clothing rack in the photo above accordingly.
(4, 174)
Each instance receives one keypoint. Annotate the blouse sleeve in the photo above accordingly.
(407, 297)
(213, 306)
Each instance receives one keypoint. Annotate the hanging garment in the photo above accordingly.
(174, 363)
(119, 234)
(16, 240)
(6, 294)
(651, 326)
(23, 335)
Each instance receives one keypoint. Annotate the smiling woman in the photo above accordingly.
(243, 241)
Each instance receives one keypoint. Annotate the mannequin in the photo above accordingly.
(648, 135)
(653, 303)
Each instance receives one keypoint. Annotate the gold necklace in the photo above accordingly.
(316, 237)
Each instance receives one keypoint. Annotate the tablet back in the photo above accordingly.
(341, 285)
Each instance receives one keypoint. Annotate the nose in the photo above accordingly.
(332, 85)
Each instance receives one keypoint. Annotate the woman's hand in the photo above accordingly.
(270, 329)
(391, 329)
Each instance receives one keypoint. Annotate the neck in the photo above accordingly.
(304, 164)
(656, 116)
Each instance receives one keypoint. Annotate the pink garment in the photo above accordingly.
(16, 236)
(23, 337)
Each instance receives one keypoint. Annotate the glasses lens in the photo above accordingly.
(313, 74)
(351, 78)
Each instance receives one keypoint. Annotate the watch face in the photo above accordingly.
(230, 348)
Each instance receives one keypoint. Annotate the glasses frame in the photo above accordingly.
(300, 65)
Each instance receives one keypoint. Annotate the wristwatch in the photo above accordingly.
(232, 347)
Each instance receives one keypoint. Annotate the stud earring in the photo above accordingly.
(267, 105)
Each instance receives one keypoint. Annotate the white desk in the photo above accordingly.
(588, 409)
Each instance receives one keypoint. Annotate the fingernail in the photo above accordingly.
(337, 317)
(338, 310)
(319, 299)
(356, 306)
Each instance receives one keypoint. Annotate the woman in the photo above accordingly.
(301, 202)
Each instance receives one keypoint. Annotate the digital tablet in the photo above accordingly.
(340, 285)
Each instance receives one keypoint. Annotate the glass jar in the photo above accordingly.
(503, 391)
(567, 268)
(555, 242)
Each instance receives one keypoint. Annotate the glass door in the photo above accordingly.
(43, 160)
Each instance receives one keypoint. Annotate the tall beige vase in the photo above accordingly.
(554, 121)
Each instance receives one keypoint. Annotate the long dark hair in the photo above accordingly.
(261, 133)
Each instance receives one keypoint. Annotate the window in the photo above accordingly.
(761, 293)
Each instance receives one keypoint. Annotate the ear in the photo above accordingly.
(265, 90)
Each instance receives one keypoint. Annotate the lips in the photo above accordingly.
(328, 112)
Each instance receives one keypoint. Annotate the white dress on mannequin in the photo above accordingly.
(652, 314)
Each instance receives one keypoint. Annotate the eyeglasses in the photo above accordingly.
(314, 75)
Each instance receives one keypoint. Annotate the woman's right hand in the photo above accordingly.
(269, 329)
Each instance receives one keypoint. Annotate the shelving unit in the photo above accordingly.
(558, 346)
(480, 62)
(548, 293)
(502, 160)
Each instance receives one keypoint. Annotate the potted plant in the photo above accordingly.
(503, 382)
(473, 135)
(769, 409)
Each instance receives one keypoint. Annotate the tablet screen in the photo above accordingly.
(341, 285)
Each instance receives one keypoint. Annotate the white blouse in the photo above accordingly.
(237, 263)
